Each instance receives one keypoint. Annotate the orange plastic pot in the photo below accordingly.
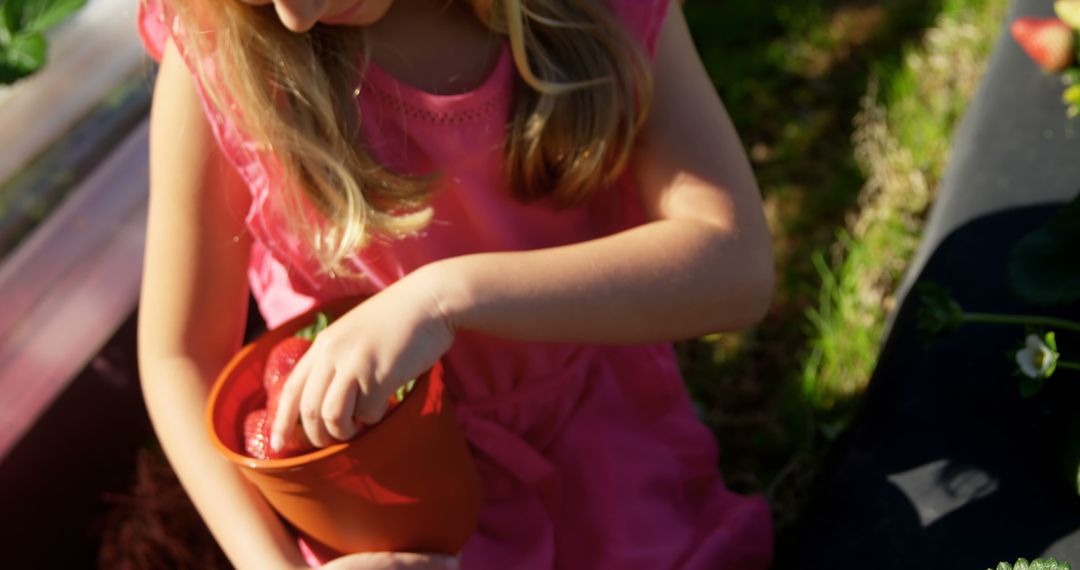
(406, 484)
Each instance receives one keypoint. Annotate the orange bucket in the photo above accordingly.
(406, 484)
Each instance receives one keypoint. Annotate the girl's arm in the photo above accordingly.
(192, 314)
(191, 321)
(704, 264)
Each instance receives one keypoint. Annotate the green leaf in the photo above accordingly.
(405, 389)
(1030, 387)
(1038, 564)
(1042, 265)
(1055, 355)
(24, 56)
(37, 15)
(939, 313)
(311, 331)
(48, 13)
(11, 16)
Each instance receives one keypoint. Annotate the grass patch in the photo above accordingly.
(846, 109)
(845, 329)
(902, 136)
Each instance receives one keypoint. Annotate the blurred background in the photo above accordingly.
(846, 109)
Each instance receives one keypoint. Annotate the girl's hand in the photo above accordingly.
(357, 363)
(393, 560)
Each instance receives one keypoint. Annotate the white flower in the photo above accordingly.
(1036, 359)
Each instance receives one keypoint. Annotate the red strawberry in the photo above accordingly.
(1049, 41)
(257, 435)
(284, 356)
(282, 359)
(257, 438)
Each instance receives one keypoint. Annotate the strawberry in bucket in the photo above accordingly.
(280, 362)
(406, 484)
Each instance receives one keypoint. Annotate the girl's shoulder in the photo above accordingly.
(156, 26)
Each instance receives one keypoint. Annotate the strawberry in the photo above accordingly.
(257, 426)
(1049, 41)
(280, 362)
(257, 435)
(283, 358)
(1069, 12)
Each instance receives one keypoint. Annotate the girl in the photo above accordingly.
(541, 193)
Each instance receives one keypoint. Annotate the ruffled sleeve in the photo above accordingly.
(154, 27)
(643, 18)
(156, 24)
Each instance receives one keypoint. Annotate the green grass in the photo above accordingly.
(846, 109)
(902, 141)
(844, 331)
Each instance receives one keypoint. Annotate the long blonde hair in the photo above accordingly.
(584, 91)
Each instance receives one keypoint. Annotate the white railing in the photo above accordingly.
(68, 286)
(88, 55)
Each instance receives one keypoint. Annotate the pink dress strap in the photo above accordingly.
(643, 18)
(274, 258)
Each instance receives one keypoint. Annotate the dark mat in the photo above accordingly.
(948, 466)
(53, 482)
(56, 483)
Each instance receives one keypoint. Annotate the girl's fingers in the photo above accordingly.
(370, 408)
(311, 404)
(395, 560)
(414, 561)
(339, 405)
(288, 406)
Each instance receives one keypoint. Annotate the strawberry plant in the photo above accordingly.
(1038, 564)
(1042, 271)
(23, 23)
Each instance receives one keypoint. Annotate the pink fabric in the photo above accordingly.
(591, 456)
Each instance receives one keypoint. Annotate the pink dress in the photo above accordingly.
(590, 456)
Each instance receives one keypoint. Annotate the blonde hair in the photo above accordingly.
(583, 92)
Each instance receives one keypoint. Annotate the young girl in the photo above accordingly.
(541, 193)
